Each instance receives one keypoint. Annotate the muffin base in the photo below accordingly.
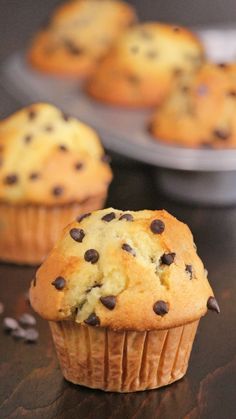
(28, 233)
(122, 361)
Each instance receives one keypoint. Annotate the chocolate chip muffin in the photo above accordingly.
(144, 65)
(52, 167)
(124, 293)
(201, 111)
(79, 33)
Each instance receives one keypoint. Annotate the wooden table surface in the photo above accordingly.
(31, 384)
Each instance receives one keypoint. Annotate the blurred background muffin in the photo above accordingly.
(201, 111)
(78, 35)
(52, 169)
(144, 64)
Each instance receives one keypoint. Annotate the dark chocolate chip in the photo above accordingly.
(81, 217)
(27, 319)
(109, 217)
(79, 166)
(222, 134)
(18, 333)
(189, 270)
(10, 324)
(127, 217)
(106, 159)
(91, 255)
(232, 93)
(59, 283)
(77, 234)
(109, 301)
(157, 226)
(128, 249)
(57, 191)
(1, 308)
(176, 28)
(168, 258)
(161, 308)
(62, 147)
(11, 179)
(28, 138)
(31, 335)
(34, 176)
(213, 305)
(32, 114)
(92, 320)
(222, 65)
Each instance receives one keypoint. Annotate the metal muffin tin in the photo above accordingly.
(201, 176)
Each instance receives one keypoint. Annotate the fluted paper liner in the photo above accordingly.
(122, 361)
(28, 233)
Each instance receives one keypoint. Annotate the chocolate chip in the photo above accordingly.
(213, 305)
(32, 114)
(232, 93)
(59, 283)
(65, 117)
(11, 179)
(222, 134)
(18, 333)
(157, 226)
(91, 256)
(10, 324)
(1, 308)
(34, 176)
(128, 249)
(27, 319)
(109, 217)
(106, 159)
(176, 28)
(77, 234)
(168, 258)
(81, 217)
(222, 65)
(109, 301)
(78, 166)
(189, 270)
(57, 191)
(127, 217)
(48, 128)
(31, 335)
(62, 147)
(161, 308)
(28, 138)
(92, 320)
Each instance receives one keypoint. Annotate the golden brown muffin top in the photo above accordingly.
(49, 158)
(123, 270)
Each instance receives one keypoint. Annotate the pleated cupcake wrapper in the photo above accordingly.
(28, 233)
(122, 361)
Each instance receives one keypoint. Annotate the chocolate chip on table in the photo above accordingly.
(106, 159)
(34, 176)
(57, 190)
(83, 216)
(168, 258)
(63, 147)
(92, 320)
(128, 249)
(1, 308)
(109, 301)
(77, 234)
(161, 308)
(27, 319)
(11, 179)
(28, 138)
(127, 217)
(91, 255)
(157, 226)
(59, 283)
(222, 134)
(189, 270)
(31, 335)
(213, 305)
(10, 324)
(109, 217)
(18, 333)
(78, 166)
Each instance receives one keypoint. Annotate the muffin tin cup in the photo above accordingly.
(29, 232)
(122, 361)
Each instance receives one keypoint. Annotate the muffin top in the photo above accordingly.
(79, 33)
(201, 111)
(49, 158)
(123, 270)
(144, 63)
